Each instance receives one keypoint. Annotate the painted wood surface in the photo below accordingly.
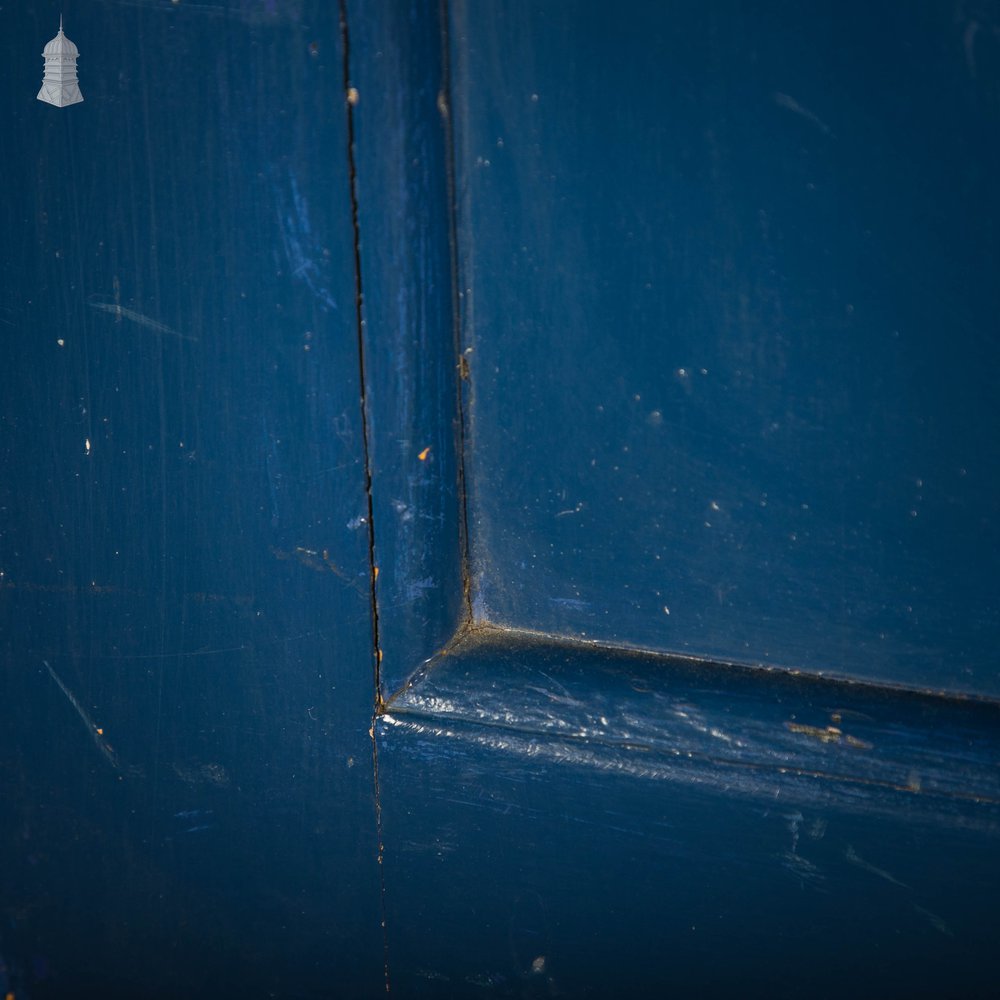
(187, 786)
(455, 502)
(730, 294)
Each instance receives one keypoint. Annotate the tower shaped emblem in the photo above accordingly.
(59, 85)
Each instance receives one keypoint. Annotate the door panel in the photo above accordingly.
(729, 295)
(444, 449)
(700, 323)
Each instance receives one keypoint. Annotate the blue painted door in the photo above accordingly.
(499, 499)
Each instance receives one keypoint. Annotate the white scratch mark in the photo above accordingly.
(856, 859)
(790, 104)
(121, 312)
(934, 920)
(308, 261)
(95, 734)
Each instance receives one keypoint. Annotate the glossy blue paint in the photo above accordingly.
(749, 731)
(181, 457)
(409, 332)
(540, 874)
(729, 285)
(615, 822)
(329, 280)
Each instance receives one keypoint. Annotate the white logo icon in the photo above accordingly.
(59, 85)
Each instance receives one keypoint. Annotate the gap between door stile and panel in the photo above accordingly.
(349, 100)
(396, 93)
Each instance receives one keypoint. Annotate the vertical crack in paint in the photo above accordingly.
(461, 395)
(362, 373)
(349, 101)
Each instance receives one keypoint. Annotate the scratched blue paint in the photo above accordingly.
(640, 824)
(189, 791)
(733, 330)
(306, 258)
(409, 344)
(187, 806)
